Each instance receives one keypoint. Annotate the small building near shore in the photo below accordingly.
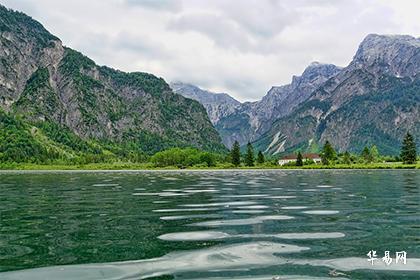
(292, 158)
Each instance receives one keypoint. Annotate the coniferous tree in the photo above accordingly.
(328, 153)
(260, 158)
(236, 154)
(249, 159)
(408, 150)
(299, 159)
(366, 156)
(374, 154)
(346, 158)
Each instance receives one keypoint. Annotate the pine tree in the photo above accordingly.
(249, 159)
(236, 154)
(299, 159)
(408, 150)
(328, 153)
(374, 153)
(366, 156)
(260, 158)
(346, 158)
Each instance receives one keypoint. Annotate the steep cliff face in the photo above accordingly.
(218, 105)
(251, 120)
(44, 81)
(374, 100)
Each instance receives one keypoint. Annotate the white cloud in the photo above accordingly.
(166, 5)
(242, 47)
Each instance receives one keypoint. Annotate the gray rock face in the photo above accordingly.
(280, 101)
(218, 105)
(252, 119)
(394, 55)
(374, 100)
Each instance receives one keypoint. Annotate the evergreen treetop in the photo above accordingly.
(260, 158)
(249, 159)
(346, 158)
(299, 159)
(374, 153)
(328, 153)
(366, 156)
(408, 150)
(236, 154)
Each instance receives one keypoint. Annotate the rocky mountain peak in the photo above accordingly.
(396, 55)
(218, 105)
(194, 92)
(316, 73)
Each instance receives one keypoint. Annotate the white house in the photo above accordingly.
(292, 158)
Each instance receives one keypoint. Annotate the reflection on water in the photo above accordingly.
(208, 225)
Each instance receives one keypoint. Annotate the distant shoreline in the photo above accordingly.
(143, 167)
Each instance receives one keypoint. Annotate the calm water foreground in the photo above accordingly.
(314, 224)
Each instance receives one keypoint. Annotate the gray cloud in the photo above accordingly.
(224, 32)
(265, 20)
(170, 5)
(144, 46)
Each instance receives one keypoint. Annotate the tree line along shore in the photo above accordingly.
(190, 158)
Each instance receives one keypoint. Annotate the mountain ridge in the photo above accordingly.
(356, 107)
(309, 104)
(43, 81)
(250, 120)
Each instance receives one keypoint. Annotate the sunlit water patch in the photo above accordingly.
(223, 204)
(283, 196)
(248, 211)
(187, 217)
(185, 210)
(246, 221)
(321, 212)
(294, 207)
(212, 235)
(325, 186)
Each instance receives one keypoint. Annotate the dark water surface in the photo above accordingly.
(209, 225)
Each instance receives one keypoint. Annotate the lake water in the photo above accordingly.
(209, 225)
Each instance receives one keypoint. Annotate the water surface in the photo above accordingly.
(209, 224)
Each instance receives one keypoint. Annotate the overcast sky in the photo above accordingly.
(242, 47)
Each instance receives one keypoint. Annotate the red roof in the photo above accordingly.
(309, 156)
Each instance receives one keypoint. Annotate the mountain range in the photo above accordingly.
(372, 101)
(56, 103)
(244, 122)
(50, 89)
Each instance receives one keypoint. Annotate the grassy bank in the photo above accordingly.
(148, 166)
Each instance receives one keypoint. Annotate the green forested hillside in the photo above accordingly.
(48, 142)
